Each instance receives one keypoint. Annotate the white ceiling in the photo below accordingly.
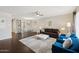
(28, 11)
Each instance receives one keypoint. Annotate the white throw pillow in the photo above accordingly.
(42, 36)
(67, 43)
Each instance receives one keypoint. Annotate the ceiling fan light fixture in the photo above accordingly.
(38, 13)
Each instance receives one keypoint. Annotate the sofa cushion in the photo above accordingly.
(73, 35)
(62, 36)
(75, 45)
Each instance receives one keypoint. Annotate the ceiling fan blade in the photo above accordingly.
(36, 13)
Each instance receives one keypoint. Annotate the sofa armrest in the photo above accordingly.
(59, 49)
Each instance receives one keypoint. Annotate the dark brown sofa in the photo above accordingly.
(51, 32)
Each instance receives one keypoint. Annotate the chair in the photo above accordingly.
(58, 46)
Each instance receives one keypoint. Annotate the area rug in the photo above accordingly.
(38, 46)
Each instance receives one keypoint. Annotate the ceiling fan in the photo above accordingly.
(38, 13)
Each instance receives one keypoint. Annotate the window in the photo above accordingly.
(77, 24)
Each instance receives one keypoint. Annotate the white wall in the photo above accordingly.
(57, 22)
(5, 26)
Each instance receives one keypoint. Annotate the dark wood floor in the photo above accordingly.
(13, 46)
(7, 46)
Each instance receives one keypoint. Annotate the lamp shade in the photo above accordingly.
(63, 28)
(68, 24)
